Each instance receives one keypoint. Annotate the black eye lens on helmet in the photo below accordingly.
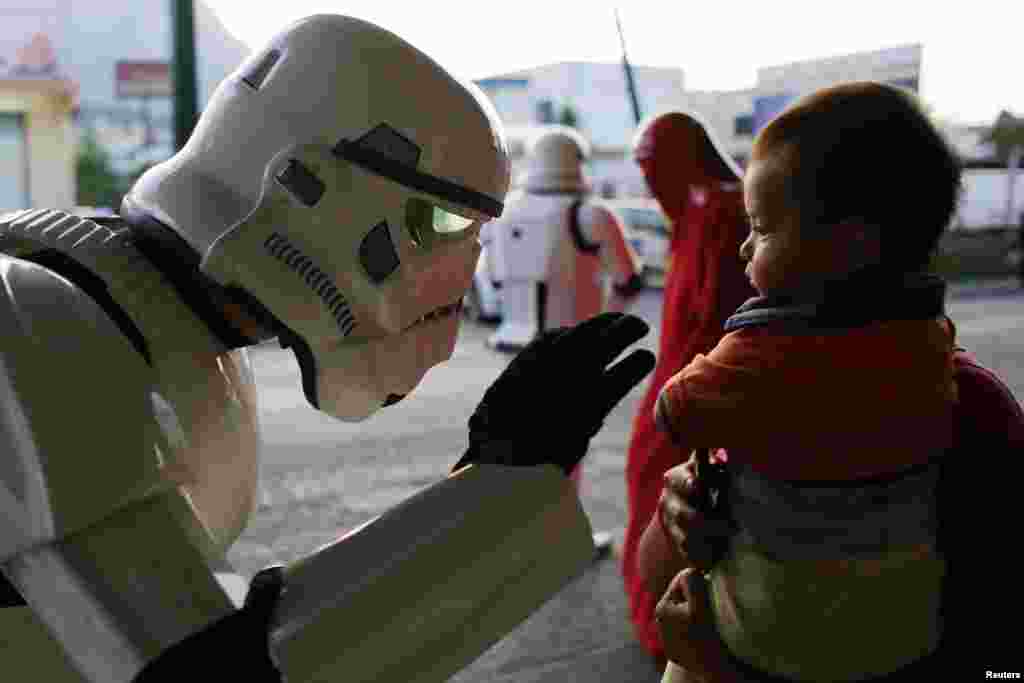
(301, 183)
(377, 253)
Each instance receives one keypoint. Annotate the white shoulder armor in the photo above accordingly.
(78, 436)
(190, 364)
(95, 532)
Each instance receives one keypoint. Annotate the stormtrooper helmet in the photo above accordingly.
(339, 177)
(555, 162)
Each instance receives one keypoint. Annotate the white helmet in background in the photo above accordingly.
(340, 177)
(555, 162)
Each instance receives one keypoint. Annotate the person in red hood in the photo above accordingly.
(698, 187)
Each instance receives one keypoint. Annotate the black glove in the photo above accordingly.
(234, 647)
(554, 396)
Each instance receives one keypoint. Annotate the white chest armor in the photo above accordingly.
(91, 432)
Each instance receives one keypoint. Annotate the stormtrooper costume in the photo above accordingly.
(330, 197)
(553, 248)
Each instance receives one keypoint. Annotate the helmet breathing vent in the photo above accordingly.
(278, 246)
(255, 78)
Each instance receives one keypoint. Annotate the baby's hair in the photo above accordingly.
(865, 150)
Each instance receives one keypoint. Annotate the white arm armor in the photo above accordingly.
(94, 534)
(420, 592)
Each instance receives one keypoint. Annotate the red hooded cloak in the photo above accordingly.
(699, 189)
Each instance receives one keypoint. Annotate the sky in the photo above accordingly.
(972, 59)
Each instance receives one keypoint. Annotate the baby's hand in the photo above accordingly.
(682, 511)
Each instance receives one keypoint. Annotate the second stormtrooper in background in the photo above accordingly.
(554, 248)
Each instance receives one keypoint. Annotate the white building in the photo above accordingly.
(778, 85)
(88, 40)
(37, 142)
(599, 97)
(729, 113)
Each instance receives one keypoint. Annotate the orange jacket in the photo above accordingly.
(870, 401)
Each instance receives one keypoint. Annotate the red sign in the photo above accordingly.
(143, 79)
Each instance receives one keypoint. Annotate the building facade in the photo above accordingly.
(60, 80)
(598, 96)
(777, 86)
(37, 137)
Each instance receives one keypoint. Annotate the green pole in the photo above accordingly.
(186, 106)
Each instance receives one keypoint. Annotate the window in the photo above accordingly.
(744, 125)
(13, 167)
(545, 111)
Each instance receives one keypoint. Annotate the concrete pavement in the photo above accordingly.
(321, 477)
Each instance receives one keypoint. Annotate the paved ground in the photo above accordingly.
(321, 477)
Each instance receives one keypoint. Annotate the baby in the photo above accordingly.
(832, 395)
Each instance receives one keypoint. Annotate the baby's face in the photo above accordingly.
(781, 257)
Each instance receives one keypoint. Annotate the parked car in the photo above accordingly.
(648, 232)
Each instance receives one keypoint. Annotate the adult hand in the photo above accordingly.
(688, 632)
(683, 509)
(554, 396)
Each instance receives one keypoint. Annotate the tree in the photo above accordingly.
(1007, 136)
(568, 116)
(1006, 133)
(98, 184)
